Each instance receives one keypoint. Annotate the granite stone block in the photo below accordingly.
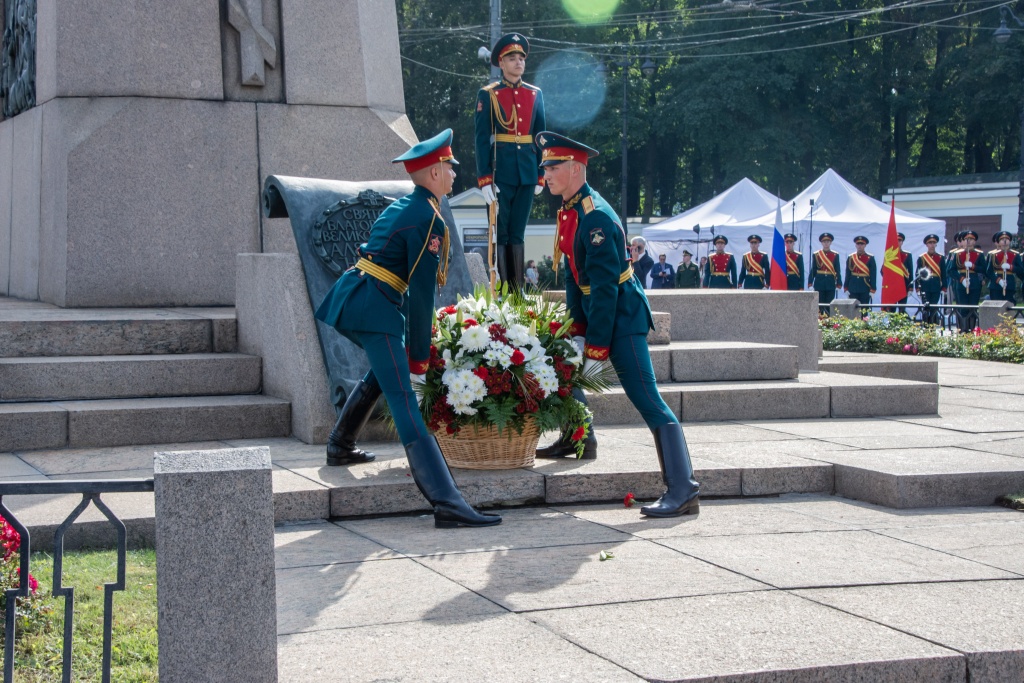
(724, 361)
(26, 160)
(979, 619)
(362, 34)
(737, 315)
(149, 176)
(613, 407)
(760, 637)
(893, 367)
(990, 313)
(768, 473)
(859, 396)
(752, 400)
(216, 590)
(477, 269)
(117, 422)
(509, 649)
(83, 377)
(297, 499)
(25, 426)
(273, 88)
(845, 308)
(6, 198)
(275, 322)
(662, 332)
(173, 49)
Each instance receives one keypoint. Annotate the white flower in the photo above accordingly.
(500, 353)
(518, 335)
(577, 358)
(475, 339)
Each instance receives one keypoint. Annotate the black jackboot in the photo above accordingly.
(517, 265)
(341, 444)
(501, 262)
(434, 479)
(677, 471)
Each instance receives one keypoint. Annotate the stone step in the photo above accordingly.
(915, 368)
(60, 378)
(117, 422)
(44, 330)
(723, 361)
(811, 395)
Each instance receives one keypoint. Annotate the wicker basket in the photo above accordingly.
(483, 448)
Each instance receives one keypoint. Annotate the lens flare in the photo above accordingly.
(590, 11)
(574, 89)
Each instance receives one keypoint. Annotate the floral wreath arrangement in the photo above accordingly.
(501, 369)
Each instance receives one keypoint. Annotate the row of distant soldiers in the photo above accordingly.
(965, 270)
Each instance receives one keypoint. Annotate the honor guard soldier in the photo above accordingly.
(508, 113)
(965, 271)
(826, 275)
(794, 264)
(861, 272)
(958, 239)
(1003, 264)
(931, 287)
(721, 269)
(385, 305)
(687, 274)
(610, 311)
(755, 266)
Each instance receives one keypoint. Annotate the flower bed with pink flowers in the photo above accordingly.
(896, 333)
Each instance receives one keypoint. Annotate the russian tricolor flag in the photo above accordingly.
(778, 279)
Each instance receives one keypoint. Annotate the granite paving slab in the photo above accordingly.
(965, 419)
(382, 592)
(12, 466)
(980, 619)
(860, 515)
(999, 544)
(297, 498)
(947, 438)
(321, 543)
(527, 528)
(498, 649)
(850, 427)
(984, 398)
(830, 558)
(572, 576)
(764, 474)
(757, 637)
(717, 518)
(82, 460)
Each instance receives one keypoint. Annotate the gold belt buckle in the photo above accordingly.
(517, 137)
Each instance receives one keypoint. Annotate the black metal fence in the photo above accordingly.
(91, 492)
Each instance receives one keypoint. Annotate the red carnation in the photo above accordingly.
(554, 326)
(450, 310)
(469, 322)
(482, 373)
(518, 358)
(629, 500)
(579, 433)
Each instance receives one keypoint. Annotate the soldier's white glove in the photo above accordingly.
(490, 193)
(580, 342)
(537, 190)
(1002, 282)
(968, 264)
(589, 364)
(417, 382)
(1006, 266)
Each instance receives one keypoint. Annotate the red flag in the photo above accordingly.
(894, 286)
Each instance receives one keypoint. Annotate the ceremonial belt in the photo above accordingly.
(626, 274)
(382, 274)
(518, 139)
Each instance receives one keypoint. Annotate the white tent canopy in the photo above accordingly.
(843, 210)
(743, 201)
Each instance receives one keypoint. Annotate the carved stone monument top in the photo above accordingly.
(18, 57)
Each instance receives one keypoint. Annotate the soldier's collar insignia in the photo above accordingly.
(587, 204)
(596, 235)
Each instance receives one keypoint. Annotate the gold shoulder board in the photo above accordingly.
(588, 205)
(491, 86)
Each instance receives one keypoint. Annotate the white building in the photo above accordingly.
(986, 202)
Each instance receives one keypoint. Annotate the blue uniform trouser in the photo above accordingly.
(390, 367)
(967, 320)
(632, 362)
(514, 204)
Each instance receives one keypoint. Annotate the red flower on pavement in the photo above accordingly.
(517, 357)
(629, 500)
(579, 433)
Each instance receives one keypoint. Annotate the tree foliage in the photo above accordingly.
(778, 92)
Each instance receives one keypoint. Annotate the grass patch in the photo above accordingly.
(38, 645)
(1012, 500)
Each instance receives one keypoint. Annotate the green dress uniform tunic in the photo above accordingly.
(861, 277)
(688, 276)
(930, 290)
(908, 279)
(508, 115)
(826, 275)
(996, 259)
(721, 271)
(794, 271)
(606, 302)
(753, 268)
(966, 283)
(385, 303)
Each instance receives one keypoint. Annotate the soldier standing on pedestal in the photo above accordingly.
(930, 290)
(861, 272)
(826, 275)
(687, 274)
(794, 265)
(754, 266)
(385, 305)
(1003, 264)
(965, 270)
(721, 269)
(508, 113)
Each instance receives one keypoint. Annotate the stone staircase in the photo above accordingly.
(81, 378)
